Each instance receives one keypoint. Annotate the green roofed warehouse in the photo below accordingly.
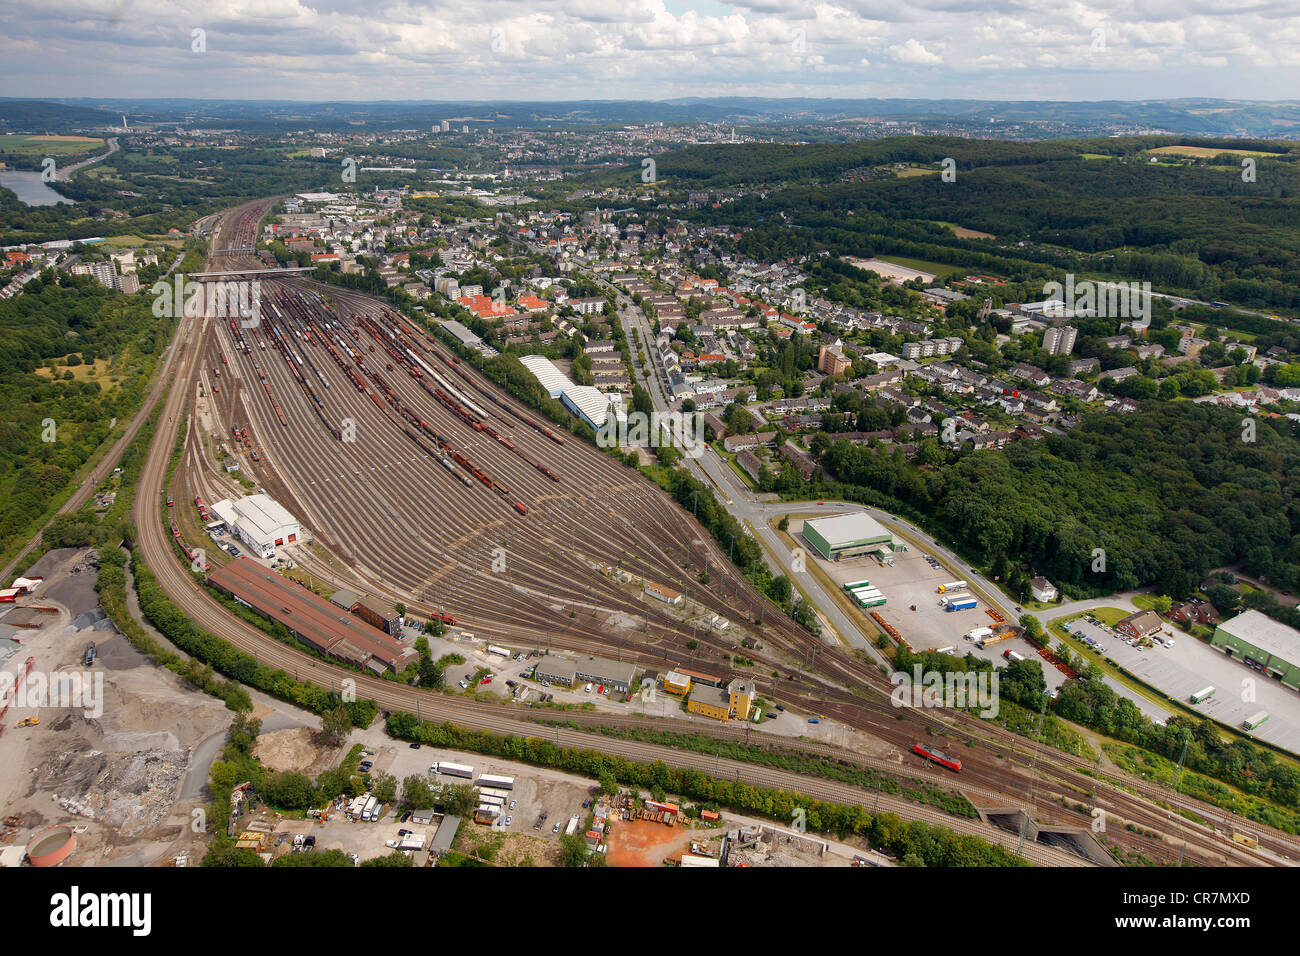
(847, 536)
(1267, 645)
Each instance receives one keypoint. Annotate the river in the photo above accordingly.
(30, 189)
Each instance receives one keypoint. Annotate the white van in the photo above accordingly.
(1169, 642)
(588, 687)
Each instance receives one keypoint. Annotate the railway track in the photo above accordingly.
(358, 488)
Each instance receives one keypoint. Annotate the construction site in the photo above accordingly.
(113, 766)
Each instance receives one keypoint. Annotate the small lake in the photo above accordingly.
(31, 190)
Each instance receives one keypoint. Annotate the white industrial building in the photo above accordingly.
(259, 522)
(552, 379)
(586, 401)
(592, 405)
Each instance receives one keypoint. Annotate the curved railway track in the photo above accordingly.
(353, 508)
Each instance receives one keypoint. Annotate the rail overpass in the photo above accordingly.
(250, 272)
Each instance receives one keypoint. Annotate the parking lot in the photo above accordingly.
(474, 650)
(1190, 666)
(541, 800)
(536, 791)
(913, 581)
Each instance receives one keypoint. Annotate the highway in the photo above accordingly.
(63, 174)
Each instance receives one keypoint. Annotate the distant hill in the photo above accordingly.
(1205, 117)
(50, 116)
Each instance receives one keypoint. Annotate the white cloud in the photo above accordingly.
(916, 53)
(396, 49)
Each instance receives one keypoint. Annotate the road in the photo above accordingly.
(62, 175)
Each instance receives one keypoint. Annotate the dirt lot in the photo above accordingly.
(116, 762)
(644, 843)
(507, 849)
(300, 749)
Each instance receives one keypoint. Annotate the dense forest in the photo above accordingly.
(1157, 497)
(52, 422)
(1193, 225)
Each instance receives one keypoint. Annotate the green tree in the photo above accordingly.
(288, 790)
(417, 794)
(336, 723)
(383, 786)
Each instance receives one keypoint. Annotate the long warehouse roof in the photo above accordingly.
(315, 620)
(544, 370)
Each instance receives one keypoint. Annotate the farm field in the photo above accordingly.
(961, 232)
(1203, 152)
(47, 145)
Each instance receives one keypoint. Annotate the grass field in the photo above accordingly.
(916, 171)
(83, 373)
(961, 232)
(47, 145)
(938, 269)
(1203, 152)
(1096, 156)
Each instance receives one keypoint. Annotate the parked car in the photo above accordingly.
(513, 804)
(555, 829)
(415, 746)
(814, 720)
(509, 820)
(462, 685)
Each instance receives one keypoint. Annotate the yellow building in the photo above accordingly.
(675, 683)
(733, 703)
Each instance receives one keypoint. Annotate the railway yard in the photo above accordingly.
(423, 482)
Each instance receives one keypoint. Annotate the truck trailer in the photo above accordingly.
(950, 586)
(965, 604)
(453, 770)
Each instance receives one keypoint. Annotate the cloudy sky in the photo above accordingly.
(652, 49)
